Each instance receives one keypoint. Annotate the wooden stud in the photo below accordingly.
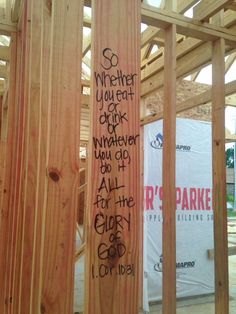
(62, 159)
(44, 113)
(7, 212)
(219, 179)
(29, 208)
(169, 193)
(113, 257)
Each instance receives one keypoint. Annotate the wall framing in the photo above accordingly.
(42, 89)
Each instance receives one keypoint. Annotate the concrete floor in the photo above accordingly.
(196, 305)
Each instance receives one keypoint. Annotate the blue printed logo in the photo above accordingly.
(158, 144)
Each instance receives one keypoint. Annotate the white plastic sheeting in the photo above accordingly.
(194, 216)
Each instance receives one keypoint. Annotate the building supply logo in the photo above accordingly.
(158, 144)
(179, 265)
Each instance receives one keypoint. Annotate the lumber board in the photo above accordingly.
(3, 71)
(230, 61)
(113, 249)
(16, 10)
(207, 8)
(188, 63)
(151, 32)
(182, 49)
(7, 28)
(159, 18)
(184, 5)
(4, 53)
(62, 158)
(29, 208)
(7, 212)
(168, 170)
(22, 87)
(219, 179)
(2, 169)
(229, 22)
(186, 26)
(45, 63)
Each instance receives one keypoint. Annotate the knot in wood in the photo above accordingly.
(54, 174)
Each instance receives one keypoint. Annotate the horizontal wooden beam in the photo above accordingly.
(182, 5)
(4, 53)
(85, 83)
(207, 8)
(87, 22)
(187, 26)
(6, 28)
(192, 54)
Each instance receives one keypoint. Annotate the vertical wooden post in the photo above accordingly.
(6, 211)
(219, 179)
(29, 207)
(45, 81)
(23, 47)
(22, 107)
(62, 158)
(114, 224)
(169, 165)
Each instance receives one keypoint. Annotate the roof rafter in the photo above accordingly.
(207, 8)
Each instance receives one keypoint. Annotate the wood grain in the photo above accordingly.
(168, 170)
(62, 158)
(114, 252)
(219, 179)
